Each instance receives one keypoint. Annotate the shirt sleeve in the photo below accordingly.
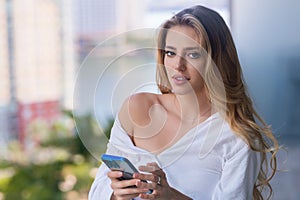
(238, 176)
(100, 189)
(119, 144)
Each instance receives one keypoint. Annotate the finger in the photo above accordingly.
(154, 164)
(114, 174)
(147, 168)
(157, 170)
(150, 167)
(145, 184)
(125, 196)
(148, 177)
(134, 192)
(153, 168)
(160, 173)
(124, 183)
(163, 179)
(154, 195)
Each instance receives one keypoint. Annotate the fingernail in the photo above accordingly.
(120, 173)
(137, 182)
(135, 175)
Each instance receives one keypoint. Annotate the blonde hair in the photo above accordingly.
(225, 85)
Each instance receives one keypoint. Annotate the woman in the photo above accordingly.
(199, 139)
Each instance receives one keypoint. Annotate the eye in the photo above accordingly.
(170, 53)
(194, 55)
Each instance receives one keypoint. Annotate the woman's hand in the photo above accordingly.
(125, 189)
(158, 182)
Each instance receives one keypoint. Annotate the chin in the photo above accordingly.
(182, 91)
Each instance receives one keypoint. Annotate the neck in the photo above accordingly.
(193, 107)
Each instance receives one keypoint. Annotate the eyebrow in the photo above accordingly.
(187, 48)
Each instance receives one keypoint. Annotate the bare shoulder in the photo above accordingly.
(135, 110)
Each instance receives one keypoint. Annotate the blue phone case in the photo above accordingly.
(120, 164)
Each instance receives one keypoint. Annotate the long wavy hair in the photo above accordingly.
(223, 74)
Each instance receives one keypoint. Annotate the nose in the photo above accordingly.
(180, 63)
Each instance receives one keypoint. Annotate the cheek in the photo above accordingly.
(168, 62)
(169, 71)
(168, 65)
(196, 72)
(197, 67)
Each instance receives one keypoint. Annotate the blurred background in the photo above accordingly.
(56, 71)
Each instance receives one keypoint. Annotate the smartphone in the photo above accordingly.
(118, 163)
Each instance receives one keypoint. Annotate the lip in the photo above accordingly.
(180, 79)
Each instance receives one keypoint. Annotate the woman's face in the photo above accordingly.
(184, 60)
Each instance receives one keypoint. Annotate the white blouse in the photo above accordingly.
(208, 162)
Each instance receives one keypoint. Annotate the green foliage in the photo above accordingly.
(58, 167)
(35, 182)
(108, 128)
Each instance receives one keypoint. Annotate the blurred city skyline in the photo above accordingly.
(44, 42)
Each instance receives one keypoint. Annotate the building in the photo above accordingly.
(37, 50)
(38, 61)
(101, 18)
(4, 70)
